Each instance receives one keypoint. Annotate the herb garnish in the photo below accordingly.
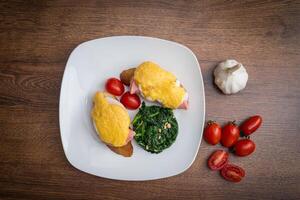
(156, 128)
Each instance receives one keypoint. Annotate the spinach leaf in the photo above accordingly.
(156, 128)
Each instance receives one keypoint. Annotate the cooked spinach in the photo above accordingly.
(156, 128)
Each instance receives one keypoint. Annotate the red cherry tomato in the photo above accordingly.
(130, 101)
(244, 147)
(230, 134)
(218, 160)
(212, 133)
(232, 173)
(251, 125)
(114, 86)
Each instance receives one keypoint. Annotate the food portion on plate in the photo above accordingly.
(127, 75)
(156, 84)
(130, 101)
(114, 86)
(111, 121)
(156, 128)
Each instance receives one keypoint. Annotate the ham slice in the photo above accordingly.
(185, 102)
(184, 105)
(133, 89)
(130, 135)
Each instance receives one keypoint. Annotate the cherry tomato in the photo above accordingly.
(232, 173)
(130, 101)
(230, 134)
(251, 125)
(244, 147)
(218, 160)
(114, 86)
(212, 133)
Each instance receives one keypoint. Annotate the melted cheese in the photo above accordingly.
(159, 85)
(111, 121)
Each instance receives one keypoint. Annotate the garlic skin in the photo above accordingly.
(230, 76)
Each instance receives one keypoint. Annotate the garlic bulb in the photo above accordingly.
(230, 76)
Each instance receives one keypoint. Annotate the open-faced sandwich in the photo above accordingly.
(156, 84)
(111, 122)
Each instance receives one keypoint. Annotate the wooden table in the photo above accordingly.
(37, 37)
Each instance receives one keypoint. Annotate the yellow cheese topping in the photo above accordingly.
(111, 120)
(159, 85)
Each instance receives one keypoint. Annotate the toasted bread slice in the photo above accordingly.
(125, 151)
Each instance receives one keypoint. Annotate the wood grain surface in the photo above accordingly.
(36, 38)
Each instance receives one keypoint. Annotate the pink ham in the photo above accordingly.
(184, 105)
(185, 102)
(130, 135)
(133, 87)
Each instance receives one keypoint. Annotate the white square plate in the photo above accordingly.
(88, 67)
